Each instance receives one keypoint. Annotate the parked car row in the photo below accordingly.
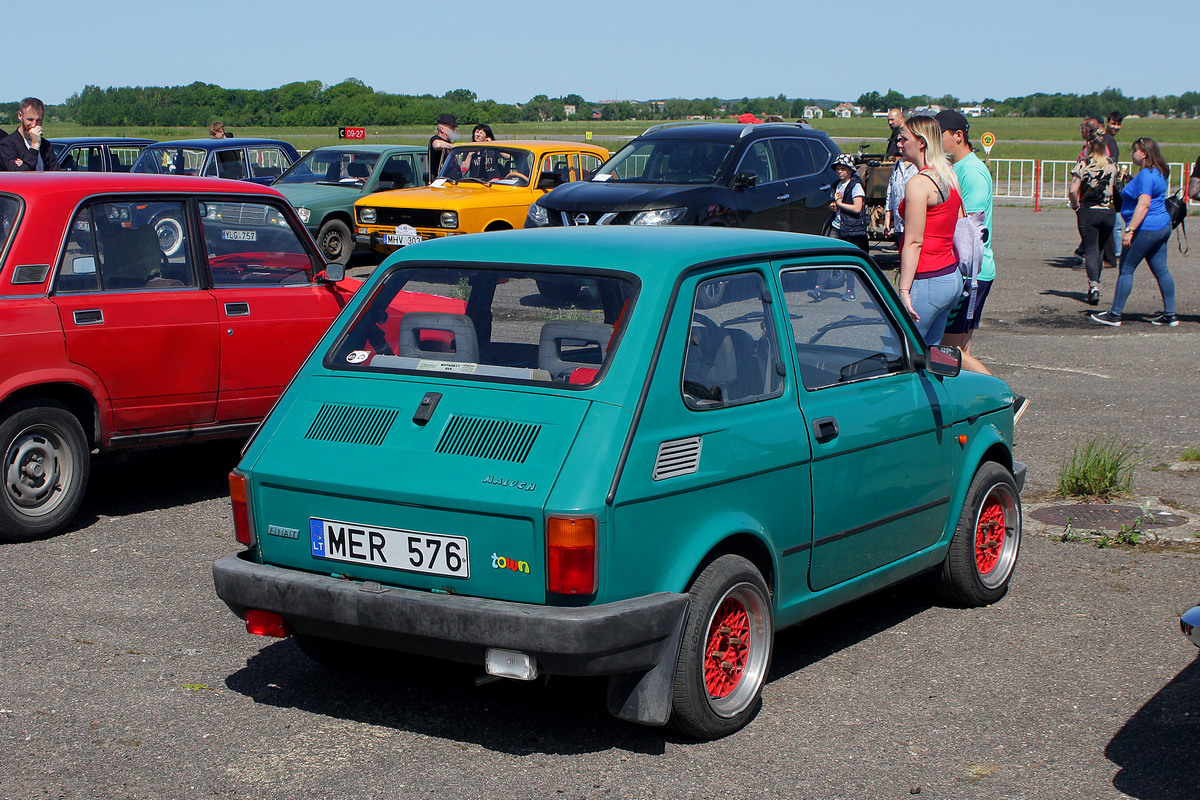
(644, 486)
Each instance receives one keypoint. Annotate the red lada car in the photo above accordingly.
(107, 342)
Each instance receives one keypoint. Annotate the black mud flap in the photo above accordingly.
(645, 697)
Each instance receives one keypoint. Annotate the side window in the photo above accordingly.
(83, 159)
(252, 244)
(122, 246)
(588, 165)
(559, 165)
(760, 160)
(267, 162)
(398, 172)
(732, 355)
(122, 158)
(820, 154)
(794, 157)
(230, 164)
(842, 332)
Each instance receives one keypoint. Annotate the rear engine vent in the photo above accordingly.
(495, 439)
(678, 457)
(352, 424)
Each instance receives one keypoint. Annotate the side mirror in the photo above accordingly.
(335, 272)
(942, 360)
(744, 180)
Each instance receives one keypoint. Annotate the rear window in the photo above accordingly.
(470, 322)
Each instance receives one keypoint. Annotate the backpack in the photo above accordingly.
(1177, 210)
(970, 238)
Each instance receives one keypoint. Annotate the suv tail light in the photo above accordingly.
(571, 555)
(239, 487)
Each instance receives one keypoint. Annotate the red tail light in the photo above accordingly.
(571, 555)
(238, 493)
(266, 623)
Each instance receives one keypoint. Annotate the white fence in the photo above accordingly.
(1041, 181)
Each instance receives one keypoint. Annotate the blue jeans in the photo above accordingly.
(933, 299)
(1150, 246)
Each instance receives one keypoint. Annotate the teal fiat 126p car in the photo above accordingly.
(643, 483)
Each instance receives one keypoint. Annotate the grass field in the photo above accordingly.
(1016, 137)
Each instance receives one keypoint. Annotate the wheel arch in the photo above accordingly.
(749, 546)
(75, 398)
(498, 225)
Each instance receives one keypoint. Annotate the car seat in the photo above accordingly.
(566, 346)
(358, 170)
(130, 258)
(442, 337)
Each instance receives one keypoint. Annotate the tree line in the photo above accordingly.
(352, 102)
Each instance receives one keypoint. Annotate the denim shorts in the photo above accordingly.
(933, 299)
(959, 322)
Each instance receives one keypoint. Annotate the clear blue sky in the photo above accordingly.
(618, 49)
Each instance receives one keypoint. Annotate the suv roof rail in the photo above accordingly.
(756, 125)
(677, 123)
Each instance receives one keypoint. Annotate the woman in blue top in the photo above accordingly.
(1147, 232)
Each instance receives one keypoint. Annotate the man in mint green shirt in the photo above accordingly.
(975, 186)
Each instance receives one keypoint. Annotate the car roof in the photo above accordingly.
(46, 184)
(539, 145)
(74, 140)
(652, 253)
(214, 144)
(727, 132)
(370, 148)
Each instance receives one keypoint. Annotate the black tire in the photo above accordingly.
(170, 233)
(334, 242)
(715, 696)
(983, 552)
(45, 468)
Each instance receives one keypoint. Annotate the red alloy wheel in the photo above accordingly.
(728, 648)
(989, 536)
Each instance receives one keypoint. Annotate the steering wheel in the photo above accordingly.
(521, 176)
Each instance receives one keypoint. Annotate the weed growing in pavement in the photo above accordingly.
(1129, 535)
(1069, 533)
(462, 291)
(1101, 467)
(1190, 454)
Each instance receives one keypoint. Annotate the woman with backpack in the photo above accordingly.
(1091, 195)
(930, 283)
(1147, 234)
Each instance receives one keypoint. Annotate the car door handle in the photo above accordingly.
(782, 197)
(237, 309)
(825, 429)
(89, 316)
(826, 187)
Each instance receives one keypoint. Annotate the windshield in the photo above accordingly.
(541, 327)
(666, 161)
(171, 161)
(493, 164)
(331, 168)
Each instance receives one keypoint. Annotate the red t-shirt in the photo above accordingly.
(937, 247)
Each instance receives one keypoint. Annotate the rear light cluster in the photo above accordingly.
(571, 555)
(239, 492)
(266, 623)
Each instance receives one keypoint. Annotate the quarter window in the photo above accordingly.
(732, 354)
(269, 162)
(841, 331)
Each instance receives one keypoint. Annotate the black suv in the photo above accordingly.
(774, 176)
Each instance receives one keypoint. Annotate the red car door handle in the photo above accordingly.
(89, 316)
(237, 309)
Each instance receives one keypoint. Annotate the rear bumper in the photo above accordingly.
(609, 639)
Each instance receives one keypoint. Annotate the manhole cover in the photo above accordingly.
(1102, 515)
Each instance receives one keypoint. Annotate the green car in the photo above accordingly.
(643, 483)
(325, 183)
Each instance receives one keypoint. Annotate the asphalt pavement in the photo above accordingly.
(124, 676)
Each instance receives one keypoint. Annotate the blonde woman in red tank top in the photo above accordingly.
(930, 284)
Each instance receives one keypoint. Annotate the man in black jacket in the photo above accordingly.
(25, 150)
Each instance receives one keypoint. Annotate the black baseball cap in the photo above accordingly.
(949, 120)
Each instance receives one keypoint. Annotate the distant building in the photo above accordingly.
(976, 111)
(568, 110)
(813, 112)
(847, 110)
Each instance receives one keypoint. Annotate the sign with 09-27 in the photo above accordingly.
(390, 548)
(352, 133)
